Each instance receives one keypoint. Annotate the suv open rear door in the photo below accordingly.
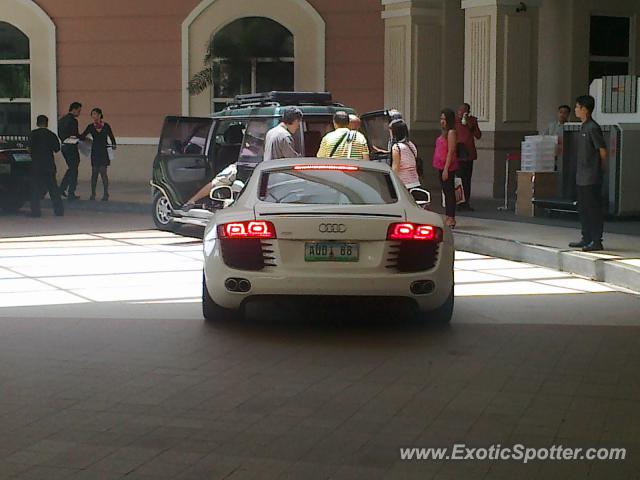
(181, 166)
(376, 128)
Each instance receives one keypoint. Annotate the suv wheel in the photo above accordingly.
(162, 213)
(211, 310)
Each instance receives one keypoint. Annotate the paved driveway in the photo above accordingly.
(108, 371)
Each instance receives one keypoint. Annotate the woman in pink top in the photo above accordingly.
(403, 154)
(446, 162)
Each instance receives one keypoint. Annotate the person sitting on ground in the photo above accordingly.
(404, 154)
(343, 142)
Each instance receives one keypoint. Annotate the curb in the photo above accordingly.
(98, 206)
(599, 269)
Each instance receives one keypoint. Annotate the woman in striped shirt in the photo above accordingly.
(403, 154)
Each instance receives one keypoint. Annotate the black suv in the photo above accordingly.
(15, 166)
(193, 150)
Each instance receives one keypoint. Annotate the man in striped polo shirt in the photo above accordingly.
(342, 142)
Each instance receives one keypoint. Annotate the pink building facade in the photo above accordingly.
(125, 56)
(134, 59)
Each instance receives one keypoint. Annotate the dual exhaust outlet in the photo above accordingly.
(422, 287)
(242, 285)
(238, 285)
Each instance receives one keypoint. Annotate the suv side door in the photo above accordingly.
(226, 142)
(182, 165)
(252, 152)
(375, 126)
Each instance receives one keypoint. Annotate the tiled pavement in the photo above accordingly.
(119, 384)
(89, 399)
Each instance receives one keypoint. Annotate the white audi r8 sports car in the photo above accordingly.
(317, 227)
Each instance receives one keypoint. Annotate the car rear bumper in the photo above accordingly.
(279, 282)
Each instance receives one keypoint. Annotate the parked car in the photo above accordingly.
(193, 150)
(318, 227)
(15, 165)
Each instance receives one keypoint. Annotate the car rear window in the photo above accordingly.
(327, 187)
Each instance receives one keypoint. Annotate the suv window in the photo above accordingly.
(253, 144)
(185, 136)
(227, 143)
(314, 130)
(327, 187)
(377, 129)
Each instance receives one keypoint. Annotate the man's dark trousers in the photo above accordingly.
(590, 210)
(70, 179)
(465, 172)
(45, 182)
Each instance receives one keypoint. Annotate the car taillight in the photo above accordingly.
(251, 229)
(412, 231)
(339, 168)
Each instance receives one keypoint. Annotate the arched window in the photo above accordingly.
(15, 83)
(249, 55)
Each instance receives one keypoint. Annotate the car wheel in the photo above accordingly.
(441, 315)
(211, 311)
(162, 213)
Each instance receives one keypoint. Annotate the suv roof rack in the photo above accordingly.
(14, 141)
(277, 98)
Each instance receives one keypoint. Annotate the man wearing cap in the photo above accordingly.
(279, 142)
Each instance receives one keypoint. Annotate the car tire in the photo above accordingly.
(211, 311)
(161, 213)
(441, 315)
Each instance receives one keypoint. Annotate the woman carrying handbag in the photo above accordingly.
(445, 161)
(100, 132)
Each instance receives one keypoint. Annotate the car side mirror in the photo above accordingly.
(421, 196)
(220, 193)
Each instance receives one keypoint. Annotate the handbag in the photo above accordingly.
(111, 153)
(459, 192)
(84, 147)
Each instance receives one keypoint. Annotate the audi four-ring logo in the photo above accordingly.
(332, 228)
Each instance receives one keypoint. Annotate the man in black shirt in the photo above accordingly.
(592, 160)
(68, 129)
(43, 143)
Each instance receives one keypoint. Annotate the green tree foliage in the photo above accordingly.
(238, 43)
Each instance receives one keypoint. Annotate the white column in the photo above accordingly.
(501, 81)
(501, 62)
(414, 72)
